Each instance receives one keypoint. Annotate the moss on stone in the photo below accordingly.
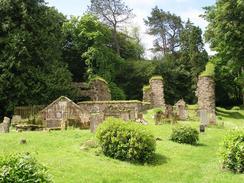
(146, 88)
(98, 78)
(156, 78)
(110, 102)
(209, 70)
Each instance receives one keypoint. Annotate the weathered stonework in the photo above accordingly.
(154, 93)
(4, 126)
(96, 90)
(62, 111)
(147, 94)
(127, 110)
(181, 110)
(206, 97)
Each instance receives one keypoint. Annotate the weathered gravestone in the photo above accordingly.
(168, 111)
(181, 110)
(203, 117)
(158, 117)
(141, 120)
(95, 120)
(4, 126)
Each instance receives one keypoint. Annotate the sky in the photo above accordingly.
(142, 8)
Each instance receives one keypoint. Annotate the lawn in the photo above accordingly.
(176, 163)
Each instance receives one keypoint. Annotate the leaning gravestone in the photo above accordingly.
(4, 126)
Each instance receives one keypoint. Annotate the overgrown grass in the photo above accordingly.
(175, 163)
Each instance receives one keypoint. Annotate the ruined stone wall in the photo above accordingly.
(157, 91)
(62, 111)
(147, 94)
(96, 90)
(127, 110)
(206, 96)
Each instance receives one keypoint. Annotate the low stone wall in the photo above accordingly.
(127, 110)
(206, 97)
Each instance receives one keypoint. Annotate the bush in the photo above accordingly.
(22, 168)
(184, 134)
(232, 152)
(126, 141)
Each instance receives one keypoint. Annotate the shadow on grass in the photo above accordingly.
(200, 145)
(158, 159)
(230, 114)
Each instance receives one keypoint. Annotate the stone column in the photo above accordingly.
(206, 97)
(157, 91)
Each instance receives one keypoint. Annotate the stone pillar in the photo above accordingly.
(4, 126)
(146, 94)
(206, 97)
(157, 91)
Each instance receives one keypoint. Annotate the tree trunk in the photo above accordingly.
(116, 42)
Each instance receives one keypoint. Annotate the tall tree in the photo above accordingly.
(225, 34)
(113, 13)
(30, 44)
(166, 27)
(192, 52)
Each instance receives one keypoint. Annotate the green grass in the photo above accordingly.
(176, 163)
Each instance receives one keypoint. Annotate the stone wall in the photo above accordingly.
(157, 91)
(127, 110)
(206, 97)
(147, 93)
(96, 90)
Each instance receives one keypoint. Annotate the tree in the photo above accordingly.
(30, 44)
(192, 53)
(87, 48)
(166, 27)
(225, 35)
(113, 13)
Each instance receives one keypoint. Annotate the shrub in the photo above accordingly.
(126, 141)
(22, 168)
(185, 134)
(232, 152)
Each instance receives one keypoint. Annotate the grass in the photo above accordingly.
(175, 163)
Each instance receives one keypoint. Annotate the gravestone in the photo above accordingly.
(158, 117)
(181, 110)
(204, 117)
(4, 126)
(95, 120)
(168, 111)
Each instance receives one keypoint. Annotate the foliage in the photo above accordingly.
(30, 43)
(22, 168)
(87, 48)
(116, 92)
(126, 141)
(232, 153)
(185, 134)
(209, 71)
(225, 35)
(167, 28)
(113, 13)
(146, 88)
(132, 75)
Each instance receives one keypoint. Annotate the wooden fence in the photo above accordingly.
(27, 111)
